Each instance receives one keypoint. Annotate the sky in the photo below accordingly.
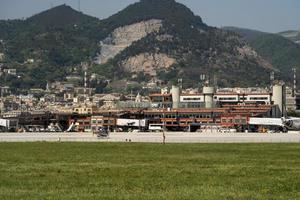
(264, 15)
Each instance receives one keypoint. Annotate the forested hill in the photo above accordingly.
(280, 51)
(159, 39)
(56, 39)
(293, 35)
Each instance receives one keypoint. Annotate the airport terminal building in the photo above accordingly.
(173, 110)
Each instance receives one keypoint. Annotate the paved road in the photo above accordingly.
(171, 137)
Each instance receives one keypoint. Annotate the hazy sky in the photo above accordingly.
(264, 15)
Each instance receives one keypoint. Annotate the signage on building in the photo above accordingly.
(4, 122)
(131, 122)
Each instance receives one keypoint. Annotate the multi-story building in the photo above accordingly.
(10, 71)
(210, 98)
(83, 110)
(292, 100)
(5, 90)
(80, 123)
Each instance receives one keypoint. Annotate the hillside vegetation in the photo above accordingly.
(292, 35)
(59, 39)
(281, 52)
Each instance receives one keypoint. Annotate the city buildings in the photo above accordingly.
(75, 108)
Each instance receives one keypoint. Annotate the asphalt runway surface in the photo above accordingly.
(170, 137)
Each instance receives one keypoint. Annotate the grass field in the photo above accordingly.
(149, 171)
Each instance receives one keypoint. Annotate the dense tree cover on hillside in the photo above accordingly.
(281, 52)
(293, 35)
(56, 40)
(61, 38)
(284, 54)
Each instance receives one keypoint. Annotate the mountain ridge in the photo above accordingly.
(183, 36)
(62, 15)
(193, 44)
(293, 35)
(282, 52)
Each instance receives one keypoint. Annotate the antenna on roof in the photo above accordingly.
(272, 79)
(272, 76)
(85, 68)
(79, 9)
(180, 80)
(295, 82)
(202, 79)
(215, 81)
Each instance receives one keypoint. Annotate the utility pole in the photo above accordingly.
(85, 67)
(272, 78)
(215, 84)
(164, 128)
(295, 82)
(180, 83)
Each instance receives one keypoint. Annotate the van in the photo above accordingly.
(156, 127)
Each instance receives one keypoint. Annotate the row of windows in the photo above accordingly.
(83, 110)
(220, 99)
(84, 123)
(97, 121)
(243, 98)
(180, 116)
(236, 121)
(191, 105)
(227, 98)
(192, 99)
(259, 98)
(102, 121)
(108, 121)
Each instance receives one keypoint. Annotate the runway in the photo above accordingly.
(171, 137)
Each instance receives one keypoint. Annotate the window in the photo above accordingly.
(237, 121)
(258, 98)
(227, 98)
(192, 99)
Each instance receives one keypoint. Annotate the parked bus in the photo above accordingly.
(156, 127)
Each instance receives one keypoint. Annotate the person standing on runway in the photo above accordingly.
(164, 138)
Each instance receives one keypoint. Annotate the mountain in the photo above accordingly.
(280, 51)
(59, 16)
(56, 40)
(165, 39)
(292, 35)
(248, 34)
(150, 39)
